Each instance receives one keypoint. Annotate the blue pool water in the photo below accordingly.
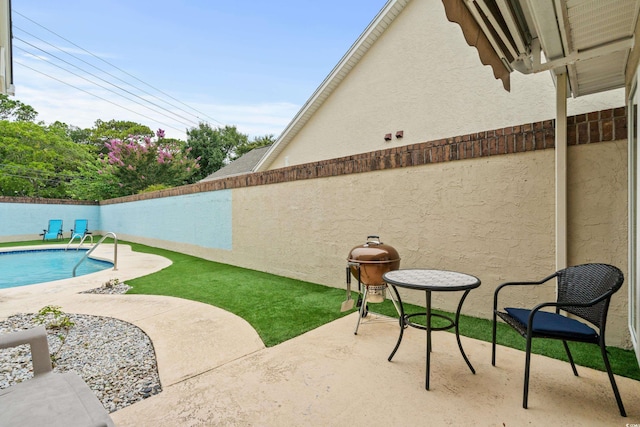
(27, 267)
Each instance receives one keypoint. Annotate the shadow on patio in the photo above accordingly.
(331, 377)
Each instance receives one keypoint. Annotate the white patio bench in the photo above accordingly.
(48, 399)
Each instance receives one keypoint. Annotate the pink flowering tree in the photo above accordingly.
(141, 163)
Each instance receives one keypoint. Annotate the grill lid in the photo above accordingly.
(373, 252)
(370, 261)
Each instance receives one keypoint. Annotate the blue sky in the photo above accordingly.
(249, 63)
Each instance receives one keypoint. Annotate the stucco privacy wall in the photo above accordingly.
(21, 219)
(421, 77)
(201, 219)
(492, 217)
(479, 203)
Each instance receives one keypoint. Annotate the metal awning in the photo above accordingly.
(457, 12)
(588, 40)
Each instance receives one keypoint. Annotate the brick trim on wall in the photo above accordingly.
(599, 126)
(44, 201)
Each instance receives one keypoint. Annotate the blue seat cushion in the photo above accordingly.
(554, 324)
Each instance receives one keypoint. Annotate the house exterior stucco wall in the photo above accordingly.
(422, 78)
(598, 220)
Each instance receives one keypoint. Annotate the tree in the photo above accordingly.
(76, 134)
(215, 147)
(103, 132)
(257, 142)
(37, 161)
(16, 110)
(137, 163)
(94, 182)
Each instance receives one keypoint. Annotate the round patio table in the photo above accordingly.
(429, 280)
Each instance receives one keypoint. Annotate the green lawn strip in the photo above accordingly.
(281, 308)
(31, 243)
(278, 308)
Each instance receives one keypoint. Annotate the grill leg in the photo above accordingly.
(361, 312)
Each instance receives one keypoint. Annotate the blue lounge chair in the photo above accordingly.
(54, 231)
(80, 230)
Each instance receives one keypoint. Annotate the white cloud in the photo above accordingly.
(74, 104)
(255, 119)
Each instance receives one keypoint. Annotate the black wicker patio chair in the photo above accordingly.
(584, 291)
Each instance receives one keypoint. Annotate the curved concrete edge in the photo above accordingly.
(189, 337)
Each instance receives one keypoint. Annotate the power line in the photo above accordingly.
(33, 178)
(99, 85)
(106, 72)
(92, 94)
(26, 172)
(50, 177)
(49, 180)
(34, 171)
(117, 68)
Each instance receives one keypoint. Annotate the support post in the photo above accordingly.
(561, 171)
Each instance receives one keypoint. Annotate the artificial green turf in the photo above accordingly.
(278, 308)
(281, 308)
(30, 243)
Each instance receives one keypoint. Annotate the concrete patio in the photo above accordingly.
(215, 370)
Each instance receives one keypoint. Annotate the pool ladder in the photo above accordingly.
(73, 236)
(115, 251)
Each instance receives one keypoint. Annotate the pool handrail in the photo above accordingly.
(115, 251)
(81, 241)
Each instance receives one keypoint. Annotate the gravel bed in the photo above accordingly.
(115, 358)
(120, 288)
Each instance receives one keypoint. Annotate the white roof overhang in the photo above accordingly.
(588, 40)
(6, 60)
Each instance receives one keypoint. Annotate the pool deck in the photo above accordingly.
(215, 370)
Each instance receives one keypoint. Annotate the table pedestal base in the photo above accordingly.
(405, 320)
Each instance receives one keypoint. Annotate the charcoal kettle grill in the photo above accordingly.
(367, 263)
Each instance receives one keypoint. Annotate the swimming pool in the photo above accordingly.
(28, 267)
